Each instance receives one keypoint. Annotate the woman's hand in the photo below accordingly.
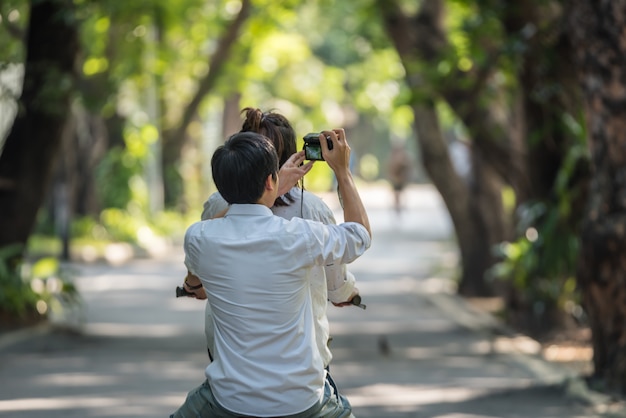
(354, 294)
(193, 285)
(292, 171)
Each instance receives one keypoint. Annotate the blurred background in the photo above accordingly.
(110, 112)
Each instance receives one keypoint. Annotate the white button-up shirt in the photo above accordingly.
(256, 270)
(338, 283)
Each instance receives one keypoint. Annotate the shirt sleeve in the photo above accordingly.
(341, 244)
(342, 285)
(191, 249)
(340, 281)
(213, 205)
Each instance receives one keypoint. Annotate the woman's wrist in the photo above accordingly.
(192, 282)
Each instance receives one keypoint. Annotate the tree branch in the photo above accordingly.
(216, 61)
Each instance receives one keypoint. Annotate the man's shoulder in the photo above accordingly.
(192, 234)
(194, 228)
(295, 225)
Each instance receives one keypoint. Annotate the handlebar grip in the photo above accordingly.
(180, 291)
(356, 301)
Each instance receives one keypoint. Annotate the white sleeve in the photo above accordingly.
(339, 280)
(213, 205)
(191, 249)
(340, 244)
(342, 289)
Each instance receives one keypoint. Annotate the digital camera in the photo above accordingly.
(312, 147)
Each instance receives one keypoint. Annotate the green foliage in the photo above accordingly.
(120, 172)
(15, 17)
(17, 299)
(541, 264)
(120, 224)
(43, 243)
(113, 175)
(53, 286)
(114, 225)
(131, 226)
(173, 224)
(30, 291)
(301, 58)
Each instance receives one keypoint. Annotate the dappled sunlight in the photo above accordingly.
(48, 404)
(184, 304)
(96, 383)
(518, 343)
(118, 253)
(123, 282)
(137, 330)
(388, 395)
(422, 353)
(116, 406)
(559, 353)
(76, 379)
(339, 328)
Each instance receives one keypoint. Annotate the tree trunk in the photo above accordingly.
(232, 119)
(30, 151)
(598, 31)
(475, 203)
(546, 97)
(97, 131)
(548, 90)
(174, 139)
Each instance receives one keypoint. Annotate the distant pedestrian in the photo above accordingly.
(399, 173)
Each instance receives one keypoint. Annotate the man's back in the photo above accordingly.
(338, 284)
(255, 267)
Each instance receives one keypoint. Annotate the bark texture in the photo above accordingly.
(598, 31)
(33, 144)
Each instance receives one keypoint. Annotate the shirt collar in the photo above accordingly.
(254, 209)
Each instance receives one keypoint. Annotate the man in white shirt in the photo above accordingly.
(255, 270)
(340, 285)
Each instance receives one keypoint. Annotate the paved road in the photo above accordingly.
(416, 351)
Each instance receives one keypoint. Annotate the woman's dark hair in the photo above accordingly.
(241, 166)
(277, 128)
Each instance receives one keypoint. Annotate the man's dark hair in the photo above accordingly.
(241, 165)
